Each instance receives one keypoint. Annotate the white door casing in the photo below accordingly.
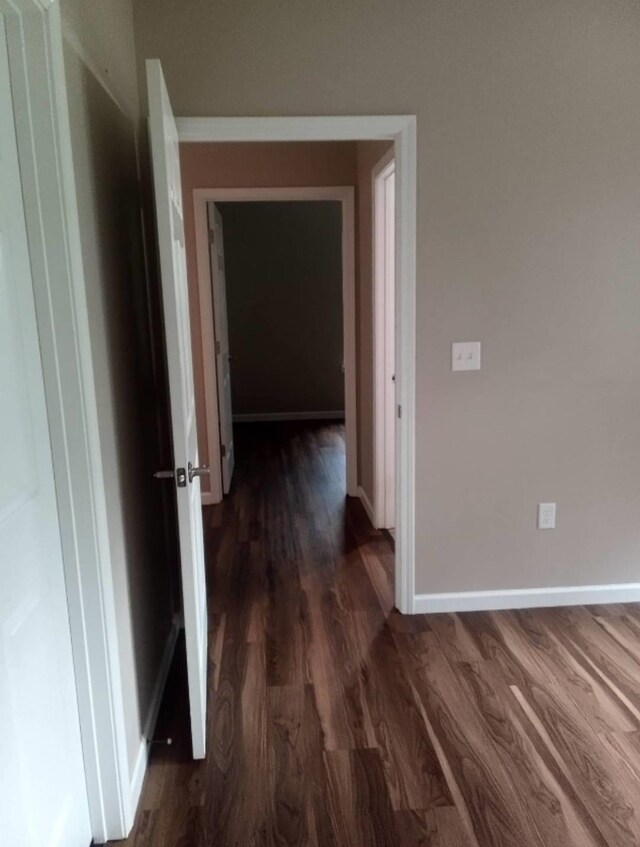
(221, 333)
(168, 199)
(43, 796)
(402, 130)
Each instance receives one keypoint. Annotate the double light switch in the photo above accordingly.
(465, 356)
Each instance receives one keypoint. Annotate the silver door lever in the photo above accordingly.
(203, 470)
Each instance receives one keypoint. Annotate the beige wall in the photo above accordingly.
(101, 35)
(102, 89)
(249, 166)
(528, 239)
(284, 304)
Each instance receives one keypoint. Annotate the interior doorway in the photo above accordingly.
(199, 137)
(214, 321)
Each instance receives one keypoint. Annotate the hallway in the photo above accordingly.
(335, 721)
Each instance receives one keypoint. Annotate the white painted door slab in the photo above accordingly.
(43, 797)
(168, 196)
(385, 407)
(389, 348)
(221, 330)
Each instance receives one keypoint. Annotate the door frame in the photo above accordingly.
(401, 129)
(381, 440)
(34, 38)
(345, 196)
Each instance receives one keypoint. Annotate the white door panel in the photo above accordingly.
(175, 295)
(221, 329)
(43, 799)
(390, 358)
(385, 407)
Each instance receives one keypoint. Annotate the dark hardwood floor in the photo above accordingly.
(333, 720)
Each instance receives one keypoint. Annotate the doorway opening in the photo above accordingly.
(277, 290)
(238, 144)
(286, 369)
(296, 572)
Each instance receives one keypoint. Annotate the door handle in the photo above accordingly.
(179, 474)
(203, 470)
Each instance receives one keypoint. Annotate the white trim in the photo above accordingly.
(383, 443)
(47, 174)
(405, 351)
(383, 164)
(263, 417)
(139, 772)
(402, 130)
(368, 507)
(282, 194)
(341, 194)
(526, 598)
(140, 767)
(326, 128)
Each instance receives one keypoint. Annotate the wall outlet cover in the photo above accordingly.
(546, 515)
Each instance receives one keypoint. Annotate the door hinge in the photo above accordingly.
(223, 450)
(399, 411)
(212, 236)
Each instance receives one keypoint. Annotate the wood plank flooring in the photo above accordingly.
(336, 722)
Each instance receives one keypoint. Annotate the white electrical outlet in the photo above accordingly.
(546, 515)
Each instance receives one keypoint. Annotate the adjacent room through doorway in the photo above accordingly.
(276, 274)
(239, 370)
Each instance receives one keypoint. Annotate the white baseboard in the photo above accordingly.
(140, 767)
(364, 499)
(526, 598)
(262, 417)
(137, 777)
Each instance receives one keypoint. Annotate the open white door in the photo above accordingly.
(173, 269)
(389, 348)
(43, 795)
(221, 330)
(384, 257)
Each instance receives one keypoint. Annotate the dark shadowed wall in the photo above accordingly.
(284, 303)
(102, 88)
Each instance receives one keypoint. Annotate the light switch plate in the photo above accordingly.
(465, 356)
